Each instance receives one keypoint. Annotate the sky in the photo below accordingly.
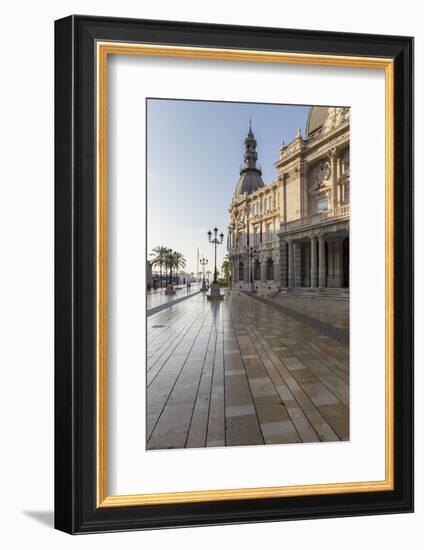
(194, 152)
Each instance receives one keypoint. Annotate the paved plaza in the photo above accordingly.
(247, 371)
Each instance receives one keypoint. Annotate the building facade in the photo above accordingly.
(294, 232)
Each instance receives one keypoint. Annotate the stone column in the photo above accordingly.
(276, 272)
(314, 270)
(297, 252)
(291, 264)
(339, 174)
(322, 267)
(333, 164)
(263, 274)
(307, 267)
(338, 264)
(283, 265)
(304, 189)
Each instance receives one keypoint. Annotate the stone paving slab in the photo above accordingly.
(340, 334)
(242, 372)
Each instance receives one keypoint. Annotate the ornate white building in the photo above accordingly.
(294, 232)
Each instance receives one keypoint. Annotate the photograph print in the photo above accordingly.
(247, 274)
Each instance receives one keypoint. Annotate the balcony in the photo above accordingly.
(266, 213)
(263, 246)
(341, 212)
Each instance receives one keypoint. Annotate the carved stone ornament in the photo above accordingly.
(318, 175)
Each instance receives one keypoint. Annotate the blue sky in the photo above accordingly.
(194, 152)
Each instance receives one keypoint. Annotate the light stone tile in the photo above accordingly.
(216, 443)
(262, 387)
(319, 394)
(240, 410)
(284, 393)
(292, 363)
(235, 372)
(277, 428)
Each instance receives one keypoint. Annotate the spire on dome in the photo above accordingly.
(250, 155)
(250, 172)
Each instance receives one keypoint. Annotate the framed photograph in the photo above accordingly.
(234, 274)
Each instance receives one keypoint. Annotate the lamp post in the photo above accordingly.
(215, 239)
(252, 254)
(203, 263)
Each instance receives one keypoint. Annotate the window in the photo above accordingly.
(269, 270)
(345, 162)
(269, 232)
(257, 236)
(257, 270)
(242, 243)
(346, 196)
(241, 271)
(322, 204)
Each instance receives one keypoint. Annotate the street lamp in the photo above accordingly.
(213, 239)
(203, 263)
(251, 254)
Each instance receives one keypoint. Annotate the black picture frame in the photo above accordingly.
(76, 510)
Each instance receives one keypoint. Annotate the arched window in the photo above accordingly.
(241, 271)
(257, 270)
(269, 270)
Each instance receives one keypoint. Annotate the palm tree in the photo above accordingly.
(159, 259)
(175, 261)
(178, 261)
(226, 268)
(168, 265)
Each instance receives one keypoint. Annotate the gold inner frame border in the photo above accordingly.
(103, 50)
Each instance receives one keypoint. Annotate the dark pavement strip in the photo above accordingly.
(156, 309)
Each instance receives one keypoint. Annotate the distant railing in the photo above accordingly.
(264, 245)
(245, 166)
(265, 213)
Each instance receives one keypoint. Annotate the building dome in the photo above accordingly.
(316, 118)
(250, 172)
(248, 183)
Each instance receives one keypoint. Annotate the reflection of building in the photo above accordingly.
(294, 232)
